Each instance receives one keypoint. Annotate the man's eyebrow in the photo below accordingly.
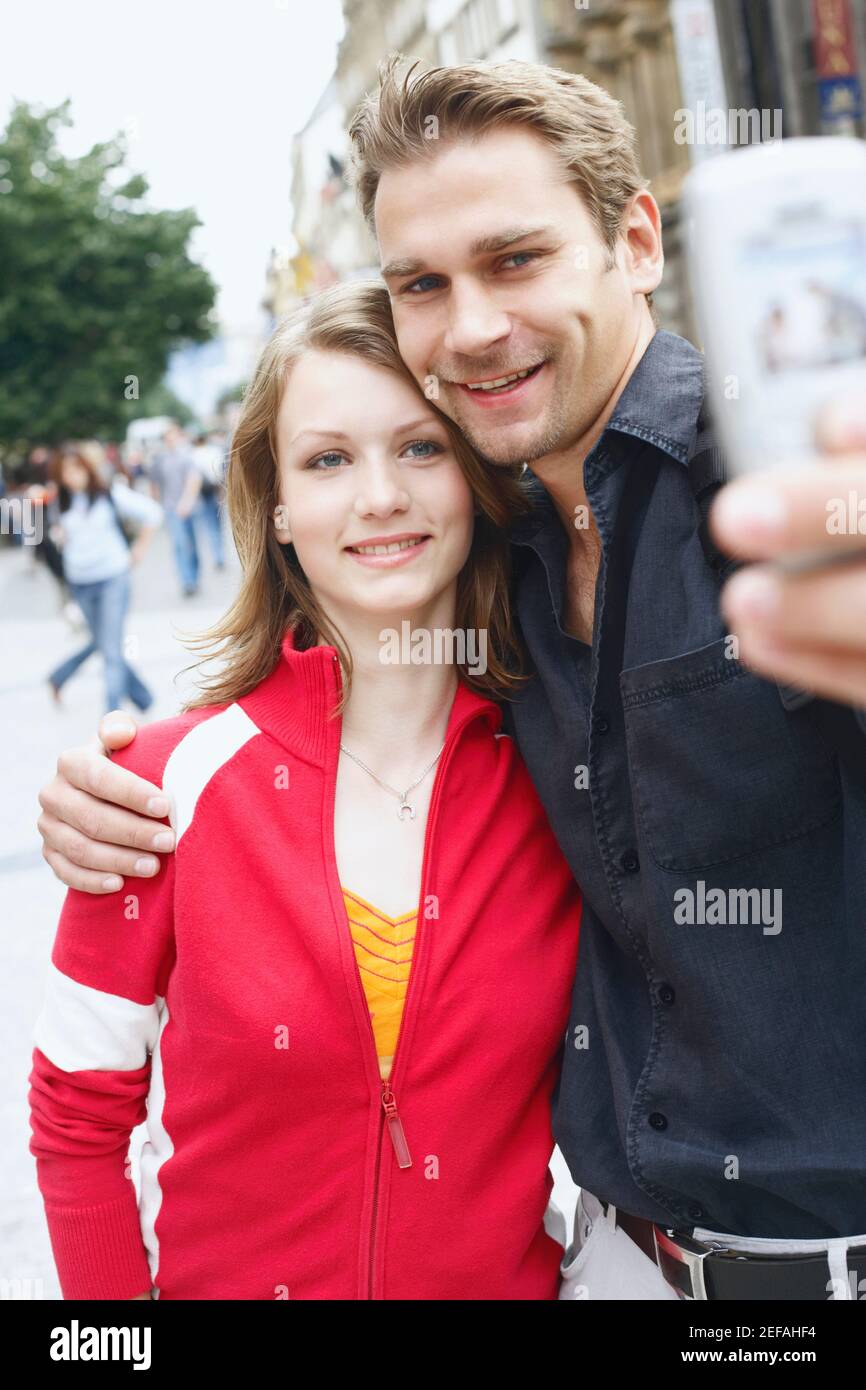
(500, 241)
(483, 246)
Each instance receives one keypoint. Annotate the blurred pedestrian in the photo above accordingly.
(97, 558)
(176, 482)
(211, 464)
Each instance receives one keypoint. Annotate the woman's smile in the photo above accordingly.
(387, 552)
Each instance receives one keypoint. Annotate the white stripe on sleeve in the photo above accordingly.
(201, 754)
(86, 1029)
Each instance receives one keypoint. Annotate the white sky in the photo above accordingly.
(210, 93)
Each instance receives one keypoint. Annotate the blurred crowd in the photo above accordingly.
(93, 510)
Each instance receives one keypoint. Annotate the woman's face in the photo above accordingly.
(73, 474)
(363, 458)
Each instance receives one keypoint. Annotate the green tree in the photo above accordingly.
(97, 288)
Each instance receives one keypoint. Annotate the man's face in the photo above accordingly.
(495, 267)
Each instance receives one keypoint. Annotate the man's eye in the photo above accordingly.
(527, 256)
(425, 444)
(331, 454)
(419, 284)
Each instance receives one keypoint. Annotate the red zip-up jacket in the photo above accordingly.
(220, 1002)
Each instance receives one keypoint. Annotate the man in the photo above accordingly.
(210, 462)
(176, 482)
(714, 1068)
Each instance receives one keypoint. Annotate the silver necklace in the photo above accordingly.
(404, 804)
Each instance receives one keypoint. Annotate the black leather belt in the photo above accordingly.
(700, 1270)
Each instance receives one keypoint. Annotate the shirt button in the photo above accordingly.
(666, 994)
(630, 862)
(657, 1120)
(600, 724)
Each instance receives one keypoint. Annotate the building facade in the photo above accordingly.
(769, 67)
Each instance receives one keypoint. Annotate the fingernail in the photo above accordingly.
(164, 840)
(112, 883)
(116, 726)
(158, 806)
(146, 866)
(753, 510)
(754, 596)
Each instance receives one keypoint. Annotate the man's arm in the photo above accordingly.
(809, 628)
(100, 820)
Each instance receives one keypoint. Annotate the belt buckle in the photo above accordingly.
(675, 1252)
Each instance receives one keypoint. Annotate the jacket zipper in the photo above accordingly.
(389, 1112)
(395, 1127)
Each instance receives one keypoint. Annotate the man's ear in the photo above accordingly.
(281, 524)
(642, 231)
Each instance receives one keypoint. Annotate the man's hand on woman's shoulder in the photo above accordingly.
(100, 821)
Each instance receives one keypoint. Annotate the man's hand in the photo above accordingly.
(806, 629)
(96, 815)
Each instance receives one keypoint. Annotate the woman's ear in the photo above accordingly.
(281, 524)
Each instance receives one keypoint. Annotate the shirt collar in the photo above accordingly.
(662, 398)
(659, 404)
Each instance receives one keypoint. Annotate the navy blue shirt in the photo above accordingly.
(714, 1068)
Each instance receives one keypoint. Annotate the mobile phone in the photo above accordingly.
(776, 238)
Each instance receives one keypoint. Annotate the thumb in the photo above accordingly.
(117, 728)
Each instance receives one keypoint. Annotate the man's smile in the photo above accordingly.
(507, 386)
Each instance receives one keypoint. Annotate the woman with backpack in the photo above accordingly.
(97, 559)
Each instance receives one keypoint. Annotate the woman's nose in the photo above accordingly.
(381, 490)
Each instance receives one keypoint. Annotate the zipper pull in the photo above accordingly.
(395, 1128)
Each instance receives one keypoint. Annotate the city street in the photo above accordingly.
(35, 637)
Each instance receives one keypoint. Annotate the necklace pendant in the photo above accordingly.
(404, 806)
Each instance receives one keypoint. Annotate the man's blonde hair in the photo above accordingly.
(413, 113)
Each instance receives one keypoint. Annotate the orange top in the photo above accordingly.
(383, 950)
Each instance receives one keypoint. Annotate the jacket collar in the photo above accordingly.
(660, 404)
(294, 702)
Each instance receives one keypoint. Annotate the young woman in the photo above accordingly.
(341, 1003)
(97, 559)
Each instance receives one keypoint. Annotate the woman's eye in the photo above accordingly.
(332, 454)
(425, 444)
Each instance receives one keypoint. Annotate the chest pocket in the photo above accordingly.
(719, 769)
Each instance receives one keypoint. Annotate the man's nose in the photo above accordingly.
(475, 322)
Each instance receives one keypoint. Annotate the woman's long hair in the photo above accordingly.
(92, 457)
(274, 594)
